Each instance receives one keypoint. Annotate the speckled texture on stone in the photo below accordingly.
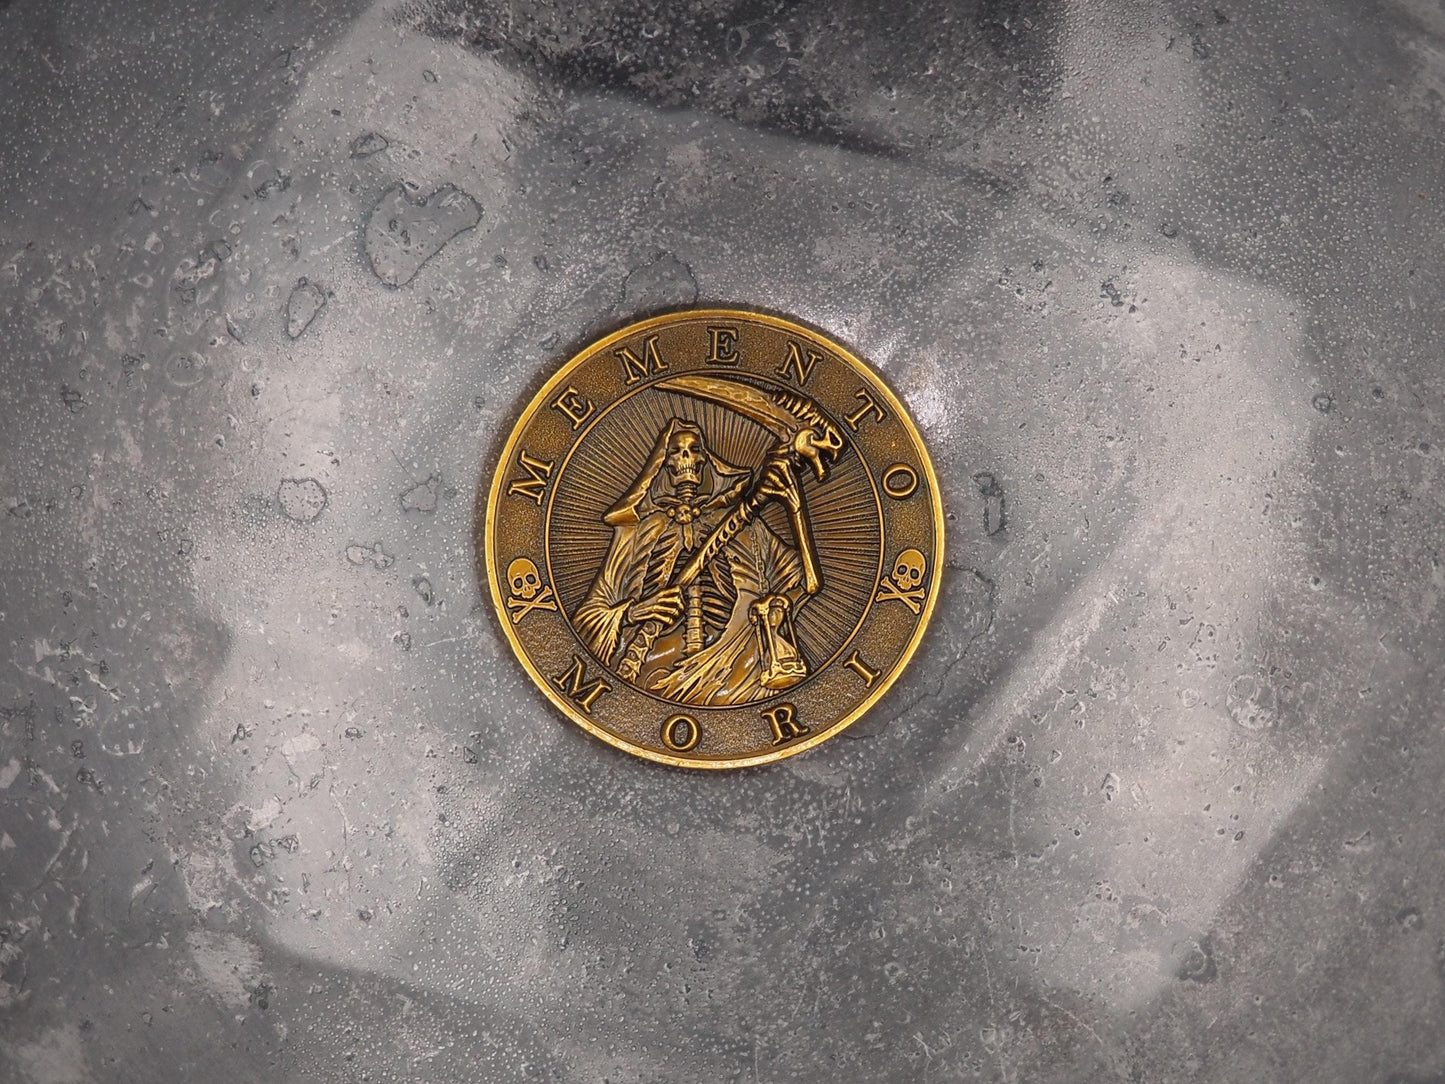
(1157, 801)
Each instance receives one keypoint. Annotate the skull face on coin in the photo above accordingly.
(685, 458)
(909, 569)
(526, 581)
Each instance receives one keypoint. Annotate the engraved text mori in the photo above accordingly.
(784, 721)
(575, 686)
(862, 669)
(681, 733)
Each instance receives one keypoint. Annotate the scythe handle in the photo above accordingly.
(812, 578)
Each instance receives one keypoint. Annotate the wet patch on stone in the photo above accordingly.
(367, 144)
(403, 233)
(359, 553)
(423, 497)
(260, 995)
(130, 365)
(301, 499)
(269, 184)
(185, 370)
(1198, 963)
(995, 505)
(217, 251)
(303, 306)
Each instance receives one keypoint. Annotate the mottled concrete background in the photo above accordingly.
(1161, 798)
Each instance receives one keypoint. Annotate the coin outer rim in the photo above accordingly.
(540, 400)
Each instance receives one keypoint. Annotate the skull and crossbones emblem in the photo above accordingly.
(528, 591)
(904, 581)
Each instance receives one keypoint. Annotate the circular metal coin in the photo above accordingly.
(714, 538)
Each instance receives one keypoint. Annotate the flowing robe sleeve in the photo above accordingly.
(618, 585)
(638, 565)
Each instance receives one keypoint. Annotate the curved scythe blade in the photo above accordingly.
(745, 398)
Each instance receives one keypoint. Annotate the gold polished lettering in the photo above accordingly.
(691, 733)
(800, 366)
(784, 721)
(575, 686)
(535, 484)
(636, 368)
(723, 346)
(862, 669)
(574, 406)
(899, 481)
(870, 406)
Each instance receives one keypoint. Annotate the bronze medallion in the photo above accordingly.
(714, 538)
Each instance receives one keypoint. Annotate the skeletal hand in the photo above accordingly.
(779, 482)
(665, 607)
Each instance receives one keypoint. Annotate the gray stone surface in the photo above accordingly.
(1158, 801)
(404, 231)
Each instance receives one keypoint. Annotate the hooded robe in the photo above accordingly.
(654, 531)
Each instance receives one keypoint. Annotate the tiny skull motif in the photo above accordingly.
(905, 582)
(528, 591)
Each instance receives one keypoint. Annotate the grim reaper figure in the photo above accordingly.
(727, 637)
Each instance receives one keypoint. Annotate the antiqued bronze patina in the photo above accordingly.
(714, 538)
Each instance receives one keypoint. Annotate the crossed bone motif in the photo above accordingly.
(521, 607)
(905, 581)
(528, 591)
(887, 589)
